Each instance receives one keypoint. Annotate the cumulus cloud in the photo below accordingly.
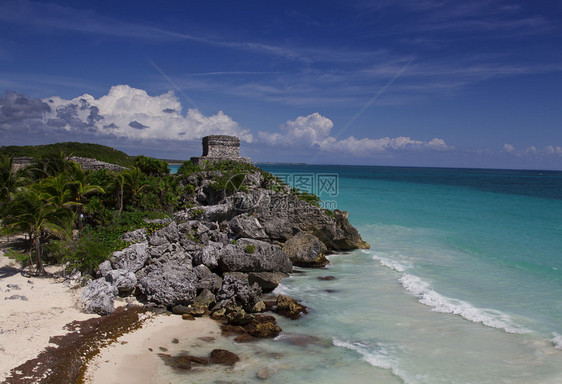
(19, 111)
(508, 148)
(125, 112)
(314, 131)
(532, 151)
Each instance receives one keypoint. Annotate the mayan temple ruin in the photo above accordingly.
(220, 148)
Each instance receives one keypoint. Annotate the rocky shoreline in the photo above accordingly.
(220, 258)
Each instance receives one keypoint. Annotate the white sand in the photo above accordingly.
(129, 360)
(26, 326)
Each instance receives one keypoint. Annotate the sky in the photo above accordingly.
(389, 82)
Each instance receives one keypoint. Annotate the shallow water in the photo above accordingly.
(462, 284)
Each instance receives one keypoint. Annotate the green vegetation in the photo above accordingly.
(93, 151)
(77, 216)
(97, 244)
(250, 248)
(310, 198)
(152, 167)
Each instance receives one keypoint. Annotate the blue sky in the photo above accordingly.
(389, 82)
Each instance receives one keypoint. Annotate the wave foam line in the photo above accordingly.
(439, 303)
(377, 355)
(556, 340)
(392, 264)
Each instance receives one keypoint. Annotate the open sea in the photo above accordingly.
(462, 284)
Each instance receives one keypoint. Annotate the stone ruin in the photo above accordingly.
(85, 163)
(220, 148)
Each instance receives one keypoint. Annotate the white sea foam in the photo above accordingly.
(440, 303)
(390, 263)
(377, 355)
(556, 340)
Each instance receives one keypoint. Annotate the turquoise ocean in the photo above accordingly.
(462, 284)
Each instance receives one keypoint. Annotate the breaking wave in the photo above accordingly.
(443, 304)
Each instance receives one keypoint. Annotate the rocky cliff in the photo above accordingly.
(244, 232)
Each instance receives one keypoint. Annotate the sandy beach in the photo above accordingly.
(32, 310)
(134, 359)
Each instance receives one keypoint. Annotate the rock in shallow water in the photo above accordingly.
(306, 250)
(222, 356)
(289, 307)
(265, 373)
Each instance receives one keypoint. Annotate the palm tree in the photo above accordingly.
(80, 189)
(57, 190)
(133, 180)
(31, 213)
(119, 183)
(8, 180)
(50, 165)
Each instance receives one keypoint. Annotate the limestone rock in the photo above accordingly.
(104, 268)
(206, 280)
(205, 299)
(268, 281)
(289, 307)
(168, 234)
(247, 226)
(284, 215)
(249, 255)
(239, 290)
(131, 258)
(185, 310)
(265, 373)
(208, 255)
(136, 236)
(17, 297)
(306, 250)
(168, 281)
(264, 327)
(222, 356)
(125, 281)
(98, 297)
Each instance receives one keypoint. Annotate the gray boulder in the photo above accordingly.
(98, 297)
(240, 291)
(104, 268)
(206, 280)
(249, 255)
(168, 281)
(131, 258)
(284, 215)
(125, 281)
(247, 226)
(306, 250)
(268, 281)
(205, 299)
(208, 255)
(156, 251)
(218, 212)
(135, 236)
(168, 234)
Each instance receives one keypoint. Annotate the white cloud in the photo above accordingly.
(508, 148)
(533, 151)
(314, 131)
(133, 114)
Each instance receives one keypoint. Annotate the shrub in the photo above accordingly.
(151, 167)
(98, 244)
(188, 168)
